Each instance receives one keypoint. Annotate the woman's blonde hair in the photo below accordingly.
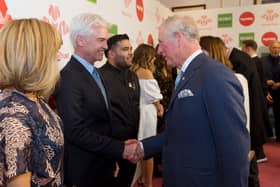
(142, 57)
(28, 56)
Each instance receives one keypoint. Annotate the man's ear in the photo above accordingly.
(178, 36)
(110, 53)
(80, 40)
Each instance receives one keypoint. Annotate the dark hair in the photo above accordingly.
(250, 43)
(113, 40)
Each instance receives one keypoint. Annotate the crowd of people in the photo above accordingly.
(191, 105)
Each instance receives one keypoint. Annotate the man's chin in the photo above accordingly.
(170, 63)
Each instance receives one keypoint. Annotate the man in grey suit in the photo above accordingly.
(83, 104)
(205, 141)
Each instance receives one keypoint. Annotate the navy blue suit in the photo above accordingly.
(205, 142)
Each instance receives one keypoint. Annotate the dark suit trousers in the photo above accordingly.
(126, 173)
(276, 112)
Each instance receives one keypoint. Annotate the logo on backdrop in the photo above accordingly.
(246, 36)
(4, 17)
(150, 40)
(224, 20)
(268, 37)
(269, 17)
(247, 18)
(157, 15)
(60, 25)
(139, 38)
(126, 12)
(140, 10)
(92, 1)
(203, 22)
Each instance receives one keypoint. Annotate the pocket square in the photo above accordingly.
(185, 93)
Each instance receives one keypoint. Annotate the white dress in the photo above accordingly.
(149, 93)
(244, 83)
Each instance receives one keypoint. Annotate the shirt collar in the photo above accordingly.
(188, 60)
(254, 55)
(89, 67)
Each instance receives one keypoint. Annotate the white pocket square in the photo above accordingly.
(185, 93)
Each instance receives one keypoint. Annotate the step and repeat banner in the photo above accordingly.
(259, 22)
(138, 18)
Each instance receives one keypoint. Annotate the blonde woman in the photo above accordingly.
(31, 139)
(150, 107)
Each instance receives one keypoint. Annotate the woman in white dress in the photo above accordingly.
(150, 107)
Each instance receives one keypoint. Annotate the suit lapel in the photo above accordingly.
(88, 78)
(187, 76)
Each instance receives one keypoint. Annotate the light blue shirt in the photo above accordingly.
(89, 67)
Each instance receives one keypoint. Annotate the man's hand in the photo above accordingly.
(275, 86)
(133, 151)
(269, 98)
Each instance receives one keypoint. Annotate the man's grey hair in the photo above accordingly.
(185, 25)
(82, 24)
(273, 42)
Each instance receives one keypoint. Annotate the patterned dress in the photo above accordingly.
(31, 140)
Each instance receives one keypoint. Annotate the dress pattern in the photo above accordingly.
(31, 140)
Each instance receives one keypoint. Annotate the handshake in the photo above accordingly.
(133, 151)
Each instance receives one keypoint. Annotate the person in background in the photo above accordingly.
(150, 107)
(31, 137)
(165, 77)
(215, 48)
(243, 64)
(250, 47)
(271, 64)
(84, 106)
(205, 141)
(124, 93)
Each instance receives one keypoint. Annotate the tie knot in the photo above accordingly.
(94, 70)
(178, 78)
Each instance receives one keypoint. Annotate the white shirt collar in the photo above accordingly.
(188, 60)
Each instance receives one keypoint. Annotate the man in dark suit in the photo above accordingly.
(243, 64)
(205, 141)
(250, 47)
(83, 104)
(271, 64)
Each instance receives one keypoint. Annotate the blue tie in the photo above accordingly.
(178, 78)
(97, 79)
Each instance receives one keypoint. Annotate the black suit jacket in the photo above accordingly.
(243, 64)
(259, 66)
(89, 150)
